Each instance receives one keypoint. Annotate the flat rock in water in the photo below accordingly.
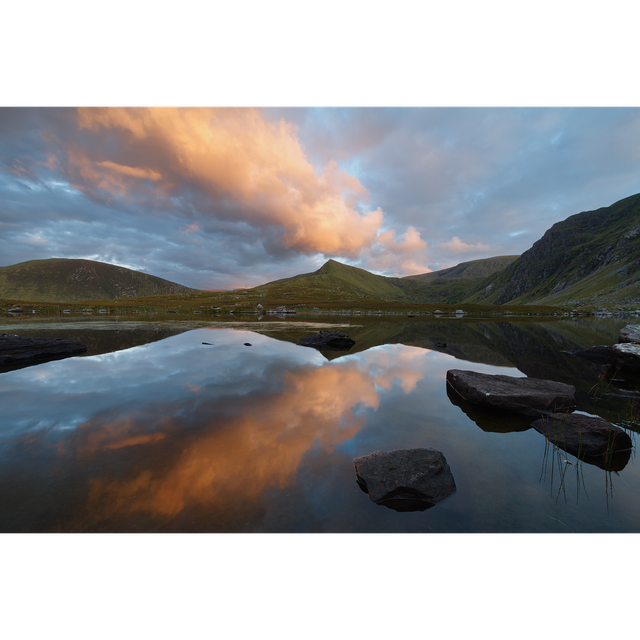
(330, 340)
(530, 396)
(405, 479)
(18, 349)
(587, 437)
(630, 333)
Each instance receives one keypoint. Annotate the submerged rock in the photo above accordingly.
(330, 340)
(530, 396)
(597, 352)
(405, 479)
(589, 438)
(15, 350)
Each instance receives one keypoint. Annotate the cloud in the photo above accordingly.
(457, 246)
(244, 165)
(397, 257)
(192, 228)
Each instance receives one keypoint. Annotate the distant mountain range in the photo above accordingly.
(589, 259)
(68, 280)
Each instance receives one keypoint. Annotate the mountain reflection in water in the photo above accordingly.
(176, 435)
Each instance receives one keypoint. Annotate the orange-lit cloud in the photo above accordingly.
(457, 246)
(192, 228)
(398, 257)
(232, 155)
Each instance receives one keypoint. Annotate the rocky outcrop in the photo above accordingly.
(630, 333)
(328, 340)
(16, 350)
(405, 479)
(589, 438)
(529, 396)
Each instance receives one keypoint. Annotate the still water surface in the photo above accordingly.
(154, 431)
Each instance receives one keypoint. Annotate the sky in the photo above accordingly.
(230, 197)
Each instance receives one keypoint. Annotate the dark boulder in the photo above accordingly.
(329, 340)
(18, 350)
(589, 438)
(405, 479)
(530, 396)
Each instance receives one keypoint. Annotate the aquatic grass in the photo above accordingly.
(600, 389)
(560, 459)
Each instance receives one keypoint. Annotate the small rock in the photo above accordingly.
(601, 351)
(328, 340)
(405, 479)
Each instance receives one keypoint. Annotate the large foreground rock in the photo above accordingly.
(405, 479)
(589, 438)
(330, 340)
(630, 333)
(530, 396)
(19, 350)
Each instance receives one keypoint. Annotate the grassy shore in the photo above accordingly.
(247, 303)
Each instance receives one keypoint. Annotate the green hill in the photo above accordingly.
(589, 259)
(65, 280)
(472, 269)
(334, 281)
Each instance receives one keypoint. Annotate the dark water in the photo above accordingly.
(152, 430)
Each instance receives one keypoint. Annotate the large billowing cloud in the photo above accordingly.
(248, 168)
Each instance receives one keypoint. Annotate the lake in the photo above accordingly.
(177, 425)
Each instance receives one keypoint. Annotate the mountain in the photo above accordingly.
(337, 281)
(334, 281)
(591, 258)
(67, 280)
(472, 269)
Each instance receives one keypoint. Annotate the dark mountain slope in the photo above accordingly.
(472, 269)
(590, 258)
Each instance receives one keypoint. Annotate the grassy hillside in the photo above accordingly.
(62, 280)
(589, 259)
(334, 281)
(472, 269)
